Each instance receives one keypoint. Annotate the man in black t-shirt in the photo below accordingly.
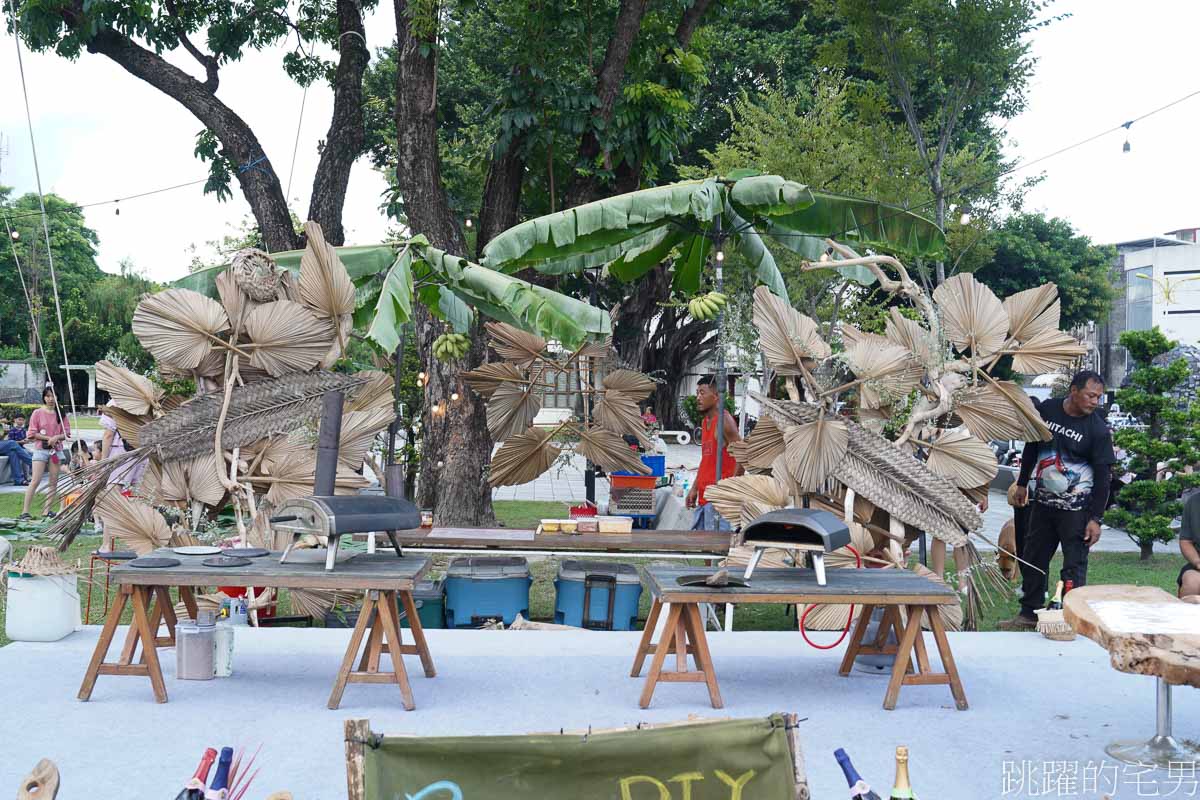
(1073, 471)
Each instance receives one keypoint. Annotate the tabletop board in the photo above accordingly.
(865, 586)
(1145, 630)
(381, 570)
(702, 543)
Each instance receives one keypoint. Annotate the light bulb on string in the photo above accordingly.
(965, 219)
(468, 223)
(1125, 147)
(720, 256)
(117, 210)
(16, 235)
(454, 396)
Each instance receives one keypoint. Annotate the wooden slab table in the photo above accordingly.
(894, 589)
(383, 578)
(639, 544)
(1146, 632)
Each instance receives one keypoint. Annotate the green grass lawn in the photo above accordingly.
(1103, 568)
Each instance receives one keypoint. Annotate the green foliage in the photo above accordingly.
(220, 167)
(1170, 443)
(1032, 249)
(9, 411)
(693, 411)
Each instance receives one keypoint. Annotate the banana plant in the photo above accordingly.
(390, 278)
(630, 234)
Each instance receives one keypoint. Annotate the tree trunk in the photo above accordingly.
(939, 194)
(346, 138)
(256, 176)
(456, 445)
(501, 195)
(1147, 550)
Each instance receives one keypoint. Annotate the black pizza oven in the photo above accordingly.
(813, 530)
(333, 516)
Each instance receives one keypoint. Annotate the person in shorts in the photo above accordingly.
(1189, 546)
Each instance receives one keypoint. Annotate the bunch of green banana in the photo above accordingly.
(706, 306)
(451, 346)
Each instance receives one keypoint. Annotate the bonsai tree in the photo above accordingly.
(1168, 445)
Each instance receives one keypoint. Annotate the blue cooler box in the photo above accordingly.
(597, 594)
(483, 588)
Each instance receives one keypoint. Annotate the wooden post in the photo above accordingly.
(800, 774)
(357, 734)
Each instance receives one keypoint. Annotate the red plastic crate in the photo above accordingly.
(633, 481)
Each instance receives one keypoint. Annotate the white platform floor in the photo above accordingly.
(1032, 700)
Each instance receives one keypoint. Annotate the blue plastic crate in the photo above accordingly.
(596, 580)
(481, 588)
(657, 465)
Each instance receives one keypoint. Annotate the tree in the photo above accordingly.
(594, 91)
(1031, 249)
(137, 37)
(950, 66)
(1169, 444)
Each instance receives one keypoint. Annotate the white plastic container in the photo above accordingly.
(223, 650)
(41, 608)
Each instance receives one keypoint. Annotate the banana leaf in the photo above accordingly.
(600, 232)
(393, 307)
(750, 244)
(865, 223)
(517, 302)
(690, 268)
(811, 248)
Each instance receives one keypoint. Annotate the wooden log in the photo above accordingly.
(357, 733)
(1161, 647)
(41, 784)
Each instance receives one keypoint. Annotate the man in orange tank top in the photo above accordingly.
(706, 402)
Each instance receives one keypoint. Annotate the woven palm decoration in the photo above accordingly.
(515, 390)
(260, 354)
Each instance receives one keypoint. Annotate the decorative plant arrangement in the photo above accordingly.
(515, 387)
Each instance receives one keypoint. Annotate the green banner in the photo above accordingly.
(729, 760)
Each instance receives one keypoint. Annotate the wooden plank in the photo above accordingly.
(660, 654)
(390, 615)
(124, 669)
(339, 683)
(943, 644)
(903, 656)
(799, 586)
(691, 676)
(141, 619)
(927, 679)
(703, 655)
(645, 645)
(104, 642)
(421, 647)
(365, 571)
(1169, 654)
(357, 732)
(698, 542)
(853, 649)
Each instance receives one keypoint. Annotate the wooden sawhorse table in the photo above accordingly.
(385, 580)
(893, 589)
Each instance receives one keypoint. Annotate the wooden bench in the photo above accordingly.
(896, 590)
(383, 578)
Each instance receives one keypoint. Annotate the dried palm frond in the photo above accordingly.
(853, 336)
(888, 371)
(610, 451)
(325, 286)
(911, 335)
(237, 304)
(129, 426)
(377, 392)
(171, 402)
(512, 409)
(318, 602)
(814, 451)
(634, 384)
(278, 450)
(129, 391)
(785, 336)
(1000, 410)
(488, 377)
(138, 526)
(952, 614)
(204, 479)
(179, 326)
(1047, 351)
(163, 484)
(256, 274)
(965, 460)
(874, 468)
(523, 457)
(293, 477)
(743, 498)
(972, 316)
(617, 412)
(286, 337)
(514, 344)
(593, 349)
(764, 444)
(1033, 311)
(359, 429)
(256, 411)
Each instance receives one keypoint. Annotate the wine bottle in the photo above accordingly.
(220, 782)
(1067, 589)
(902, 790)
(859, 790)
(194, 788)
(1055, 603)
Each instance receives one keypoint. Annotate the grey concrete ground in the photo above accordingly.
(1040, 712)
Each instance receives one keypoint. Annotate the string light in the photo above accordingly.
(720, 255)
(420, 376)
(1125, 147)
(441, 464)
(469, 223)
(16, 235)
(965, 219)
(454, 396)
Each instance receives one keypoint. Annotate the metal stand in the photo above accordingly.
(1162, 749)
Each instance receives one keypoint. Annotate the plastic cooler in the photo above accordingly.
(657, 465)
(598, 595)
(430, 600)
(483, 588)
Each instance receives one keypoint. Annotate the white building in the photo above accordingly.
(1162, 287)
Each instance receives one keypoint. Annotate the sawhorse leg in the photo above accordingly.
(683, 623)
(140, 597)
(380, 614)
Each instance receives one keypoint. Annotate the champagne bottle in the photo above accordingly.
(1067, 589)
(218, 789)
(194, 788)
(859, 790)
(1055, 603)
(902, 790)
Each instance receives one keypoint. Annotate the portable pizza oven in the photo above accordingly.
(334, 516)
(817, 532)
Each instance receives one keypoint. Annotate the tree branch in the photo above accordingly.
(690, 22)
(208, 62)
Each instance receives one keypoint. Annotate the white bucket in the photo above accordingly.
(41, 608)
